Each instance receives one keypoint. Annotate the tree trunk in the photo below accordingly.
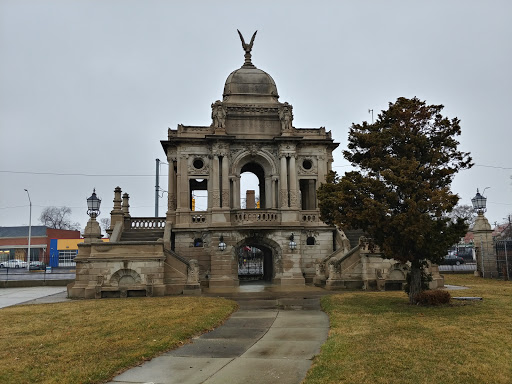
(415, 284)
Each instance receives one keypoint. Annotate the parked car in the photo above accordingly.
(452, 260)
(35, 265)
(13, 264)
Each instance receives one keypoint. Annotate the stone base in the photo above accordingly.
(289, 281)
(319, 281)
(220, 283)
(192, 289)
(437, 282)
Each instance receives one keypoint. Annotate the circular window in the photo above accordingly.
(307, 164)
(198, 163)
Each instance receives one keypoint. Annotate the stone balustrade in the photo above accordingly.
(255, 216)
(309, 217)
(147, 223)
(198, 218)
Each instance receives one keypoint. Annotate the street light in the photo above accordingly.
(479, 202)
(29, 229)
(93, 205)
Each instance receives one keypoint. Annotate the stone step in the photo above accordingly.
(353, 236)
(149, 235)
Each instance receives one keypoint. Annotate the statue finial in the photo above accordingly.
(247, 48)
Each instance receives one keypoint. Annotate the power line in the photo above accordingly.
(492, 166)
(73, 174)
(163, 175)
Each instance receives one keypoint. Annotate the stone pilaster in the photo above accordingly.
(485, 255)
(293, 183)
(215, 182)
(116, 215)
(225, 182)
(283, 182)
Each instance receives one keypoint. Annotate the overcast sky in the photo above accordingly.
(89, 88)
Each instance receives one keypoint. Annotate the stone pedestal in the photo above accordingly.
(485, 255)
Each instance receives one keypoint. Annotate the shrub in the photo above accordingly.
(433, 297)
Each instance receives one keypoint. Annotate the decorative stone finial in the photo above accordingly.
(247, 48)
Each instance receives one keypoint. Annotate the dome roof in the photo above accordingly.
(250, 85)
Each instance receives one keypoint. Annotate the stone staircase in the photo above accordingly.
(353, 236)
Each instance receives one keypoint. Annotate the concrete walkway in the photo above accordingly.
(253, 346)
(14, 296)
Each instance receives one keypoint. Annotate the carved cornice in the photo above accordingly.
(251, 109)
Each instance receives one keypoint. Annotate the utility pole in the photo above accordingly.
(371, 111)
(157, 186)
(29, 229)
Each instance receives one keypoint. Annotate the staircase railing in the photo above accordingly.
(146, 223)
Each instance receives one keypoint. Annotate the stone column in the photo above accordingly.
(485, 254)
(283, 183)
(215, 183)
(126, 205)
(117, 213)
(183, 191)
(171, 187)
(293, 183)
(322, 168)
(225, 182)
(268, 193)
(236, 192)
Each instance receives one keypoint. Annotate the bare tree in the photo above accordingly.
(465, 212)
(105, 223)
(58, 218)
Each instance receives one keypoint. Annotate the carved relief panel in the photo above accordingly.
(307, 165)
(198, 165)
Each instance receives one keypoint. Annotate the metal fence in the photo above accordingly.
(21, 274)
(504, 258)
(463, 268)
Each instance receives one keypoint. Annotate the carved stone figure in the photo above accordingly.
(286, 117)
(247, 47)
(218, 115)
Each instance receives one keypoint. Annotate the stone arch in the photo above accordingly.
(264, 158)
(398, 272)
(125, 277)
(273, 257)
(263, 165)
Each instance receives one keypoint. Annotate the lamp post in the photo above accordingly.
(93, 205)
(29, 229)
(479, 203)
(92, 231)
(481, 225)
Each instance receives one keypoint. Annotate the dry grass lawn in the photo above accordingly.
(89, 341)
(378, 337)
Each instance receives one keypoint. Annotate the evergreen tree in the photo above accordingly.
(401, 193)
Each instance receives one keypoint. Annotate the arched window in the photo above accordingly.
(310, 240)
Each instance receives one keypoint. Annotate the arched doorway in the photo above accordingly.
(255, 261)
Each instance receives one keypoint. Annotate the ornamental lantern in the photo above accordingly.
(479, 202)
(292, 244)
(93, 204)
(222, 244)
